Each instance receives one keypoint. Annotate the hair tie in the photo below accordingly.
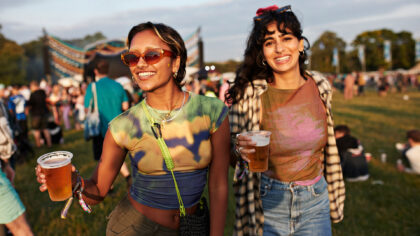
(273, 8)
(261, 11)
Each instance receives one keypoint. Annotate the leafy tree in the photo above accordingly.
(12, 60)
(322, 52)
(402, 49)
(34, 67)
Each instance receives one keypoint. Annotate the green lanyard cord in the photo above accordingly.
(166, 154)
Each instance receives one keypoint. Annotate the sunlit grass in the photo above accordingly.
(370, 209)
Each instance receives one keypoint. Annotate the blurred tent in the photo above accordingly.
(68, 60)
(116, 66)
(190, 73)
(415, 69)
(126, 83)
(70, 81)
(229, 76)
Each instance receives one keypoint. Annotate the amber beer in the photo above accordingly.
(259, 159)
(57, 169)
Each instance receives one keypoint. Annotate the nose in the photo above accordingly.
(279, 47)
(141, 62)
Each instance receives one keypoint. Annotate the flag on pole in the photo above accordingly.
(361, 54)
(387, 51)
(191, 43)
(335, 59)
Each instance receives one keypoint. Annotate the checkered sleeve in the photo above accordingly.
(332, 167)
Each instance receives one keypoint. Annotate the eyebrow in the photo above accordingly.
(272, 32)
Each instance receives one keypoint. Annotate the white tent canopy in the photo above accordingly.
(71, 81)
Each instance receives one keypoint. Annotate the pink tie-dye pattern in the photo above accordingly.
(299, 133)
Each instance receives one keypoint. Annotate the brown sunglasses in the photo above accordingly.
(151, 56)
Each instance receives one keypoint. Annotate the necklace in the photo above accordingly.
(167, 116)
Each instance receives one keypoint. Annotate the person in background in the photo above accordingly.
(411, 153)
(195, 129)
(16, 105)
(38, 110)
(352, 155)
(65, 108)
(303, 188)
(361, 82)
(12, 210)
(112, 101)
(349, 82)
(54, 100)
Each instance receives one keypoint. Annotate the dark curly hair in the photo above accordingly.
(252, 68)
(171, 37)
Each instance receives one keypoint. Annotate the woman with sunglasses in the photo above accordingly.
(194, 128)
(303, 186)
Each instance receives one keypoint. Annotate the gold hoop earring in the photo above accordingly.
(301, 53)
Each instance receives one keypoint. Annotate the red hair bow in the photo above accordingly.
(261, 11)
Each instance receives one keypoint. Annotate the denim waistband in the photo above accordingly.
(275, 183)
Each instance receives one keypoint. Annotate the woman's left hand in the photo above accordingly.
(244, 146)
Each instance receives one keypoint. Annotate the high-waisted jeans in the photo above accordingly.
(291, 209)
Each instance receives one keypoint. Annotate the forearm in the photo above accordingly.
(91, 194)
(218, 193)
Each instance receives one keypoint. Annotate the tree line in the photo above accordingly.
(23, 63)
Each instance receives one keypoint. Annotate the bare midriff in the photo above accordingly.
(167, 218)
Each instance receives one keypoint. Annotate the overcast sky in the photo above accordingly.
(225, 24)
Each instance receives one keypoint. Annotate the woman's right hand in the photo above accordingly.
(243, 144)
(40, 177)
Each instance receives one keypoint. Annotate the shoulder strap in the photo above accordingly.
(95, 98)
(165, 152)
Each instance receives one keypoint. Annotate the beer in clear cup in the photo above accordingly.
(258, 160)
(57, 169)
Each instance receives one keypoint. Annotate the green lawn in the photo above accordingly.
(390, 208)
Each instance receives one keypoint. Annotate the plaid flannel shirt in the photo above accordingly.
(244, 116)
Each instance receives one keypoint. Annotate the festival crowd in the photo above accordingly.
(202, 122)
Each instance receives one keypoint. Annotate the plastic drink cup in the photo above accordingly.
(57, 169)
(259, 158)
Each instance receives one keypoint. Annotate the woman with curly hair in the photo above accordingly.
(303, 189)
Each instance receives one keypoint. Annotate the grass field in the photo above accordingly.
(390, 208)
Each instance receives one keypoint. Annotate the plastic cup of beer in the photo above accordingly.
(259, 158)
(57, 169)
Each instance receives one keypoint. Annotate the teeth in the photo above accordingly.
(282, 58)
(142, 74)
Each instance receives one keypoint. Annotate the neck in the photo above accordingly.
(288, 80)
(166, 100)
(99, 76)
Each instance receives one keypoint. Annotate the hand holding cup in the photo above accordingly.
(253, 146)
(54, 172)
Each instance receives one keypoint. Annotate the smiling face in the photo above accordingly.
(281, 51)
(159, 75)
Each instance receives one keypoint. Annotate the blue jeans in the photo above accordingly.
(291, 209)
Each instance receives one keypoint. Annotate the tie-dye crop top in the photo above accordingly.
(188, 140)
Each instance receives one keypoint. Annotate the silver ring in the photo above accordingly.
(239, 149)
